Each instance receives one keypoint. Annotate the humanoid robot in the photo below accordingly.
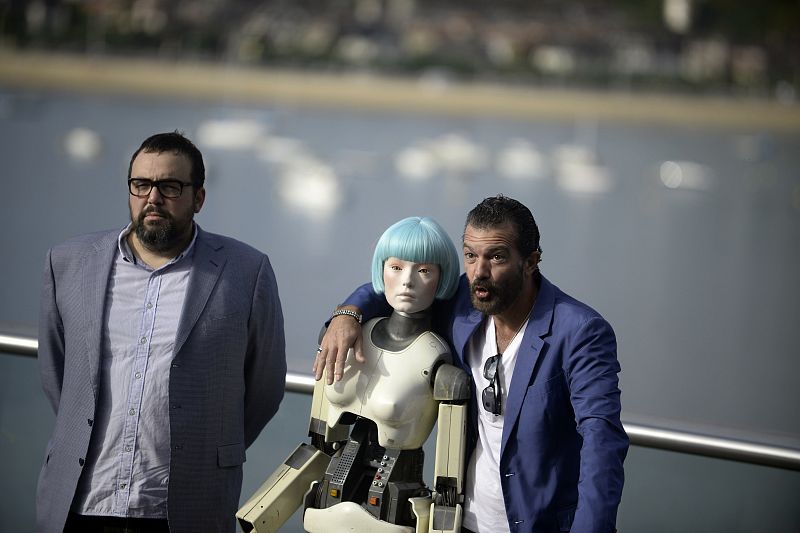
(362, 471)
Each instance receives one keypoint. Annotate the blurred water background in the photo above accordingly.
(675, 213)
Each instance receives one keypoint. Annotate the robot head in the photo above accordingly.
(421, 240)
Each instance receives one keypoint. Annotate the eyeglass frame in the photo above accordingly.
(493, 403)
(158, 184)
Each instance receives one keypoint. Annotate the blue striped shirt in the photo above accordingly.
(127, 468)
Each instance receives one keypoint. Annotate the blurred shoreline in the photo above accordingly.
(428, 96)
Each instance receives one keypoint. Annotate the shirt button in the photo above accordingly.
(143, 340)
(81, 461)
(128, 448)
(132, 412)
(149, 305)
(123, 485)
(138, 375)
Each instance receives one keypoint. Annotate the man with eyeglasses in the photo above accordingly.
(161, 350)
(547, 445)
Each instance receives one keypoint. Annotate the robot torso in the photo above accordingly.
(393, 389)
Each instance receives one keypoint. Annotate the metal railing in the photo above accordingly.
(640, 435)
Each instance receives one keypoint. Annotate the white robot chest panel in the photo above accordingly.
(393, 389)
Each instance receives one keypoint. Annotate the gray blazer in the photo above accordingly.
(228, 374)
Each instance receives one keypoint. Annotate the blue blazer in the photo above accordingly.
(563, 447)
(228, 374)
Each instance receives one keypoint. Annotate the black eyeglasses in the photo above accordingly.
(491, 394)
(167, 188)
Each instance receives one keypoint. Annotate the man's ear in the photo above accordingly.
(199, 199)
(532, 262)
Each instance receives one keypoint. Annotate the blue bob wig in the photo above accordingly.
(420, 240)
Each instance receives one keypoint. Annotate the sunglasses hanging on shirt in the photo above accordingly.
(491, 394)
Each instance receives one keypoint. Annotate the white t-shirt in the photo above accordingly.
(484, 507)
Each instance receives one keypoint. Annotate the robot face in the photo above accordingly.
(410, 287)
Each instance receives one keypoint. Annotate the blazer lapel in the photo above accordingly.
(206, 269)
(528, 355)
(96, 272)
(463, 328)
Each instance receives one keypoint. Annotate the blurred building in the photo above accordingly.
(693, 45)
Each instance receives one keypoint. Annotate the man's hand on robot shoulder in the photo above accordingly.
(343, 333)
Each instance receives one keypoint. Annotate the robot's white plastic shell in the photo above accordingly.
(393, 389)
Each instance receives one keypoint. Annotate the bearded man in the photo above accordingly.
(161, 350)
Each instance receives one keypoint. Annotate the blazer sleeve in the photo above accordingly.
(265, 361)
(51, 338)
(592, 370)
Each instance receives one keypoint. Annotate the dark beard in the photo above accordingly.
(503, 295)
(161, 237)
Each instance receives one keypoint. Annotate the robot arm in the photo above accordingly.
(451, 388)
(283, 492)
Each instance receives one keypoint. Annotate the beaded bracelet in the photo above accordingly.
(347, 312)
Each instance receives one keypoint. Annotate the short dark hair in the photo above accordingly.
(501, 210)
(177, 143)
